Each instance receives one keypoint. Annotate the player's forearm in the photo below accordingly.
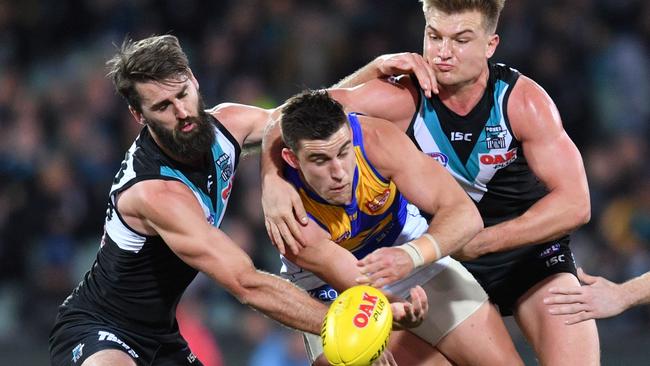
(552, 217)
(271, 154)
(330, 262)
(638, 290)
(450, 229)
(364, 74)
(282, 301)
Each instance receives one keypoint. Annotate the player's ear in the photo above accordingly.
(290, 157)
(493, 42)
(193, 79)
(137, 115)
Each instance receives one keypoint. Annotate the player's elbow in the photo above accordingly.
(577, 214)
(252, 286)
(473, 221)
(244, 285)
(582, 213)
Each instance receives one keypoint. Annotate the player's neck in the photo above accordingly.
(462, 98)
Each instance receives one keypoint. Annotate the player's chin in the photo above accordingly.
(337, 199)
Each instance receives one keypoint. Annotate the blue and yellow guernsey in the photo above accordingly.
(376, 216)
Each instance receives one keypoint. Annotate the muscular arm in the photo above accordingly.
(337, 266)
(283, 210)
(169, 209)
(556, 161)
(394, 64)
(428, 186)
(394, 100)
(246, 123)
(326, 259)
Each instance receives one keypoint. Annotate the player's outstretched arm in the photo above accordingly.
(248, 125)
(598, 298)
(338, 267)
(392, 99)
(169, 209)
(427, 185)
(283, 209)
(394, 64)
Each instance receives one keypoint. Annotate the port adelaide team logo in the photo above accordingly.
(495, 137)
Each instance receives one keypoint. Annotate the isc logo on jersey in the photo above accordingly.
(357, 327)
(498, 161)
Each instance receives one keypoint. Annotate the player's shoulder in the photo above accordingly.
(229, 113)
(381, 139)
(530, 108)
(374, 127)
(150, 193)
(243, 122)
(527, 93)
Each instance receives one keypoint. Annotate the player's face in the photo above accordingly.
(457, 46)
(176, 116)
(327, 166)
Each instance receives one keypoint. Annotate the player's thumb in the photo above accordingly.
(585, 278)
(299, 211)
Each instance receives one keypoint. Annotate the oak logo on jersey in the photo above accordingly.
(495, 137)
(378, 202)
(498, 161)
(223, 162)
(440, 158)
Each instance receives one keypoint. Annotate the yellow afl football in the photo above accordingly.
(357, 326)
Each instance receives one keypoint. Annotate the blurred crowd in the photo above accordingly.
(63, 132)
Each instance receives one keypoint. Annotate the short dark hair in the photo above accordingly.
(157, 58)
(310, 115)
(491, 9)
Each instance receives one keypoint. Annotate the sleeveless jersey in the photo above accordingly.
(376, 217)
(479, 149)
(136, 280)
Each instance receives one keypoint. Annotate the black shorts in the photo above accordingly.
(507, 276)
(78, 335)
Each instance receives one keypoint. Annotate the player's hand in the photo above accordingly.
(283, 214)
(409, 314)
(386, 359)
(597, 298)
(384, 266)
(407, 63)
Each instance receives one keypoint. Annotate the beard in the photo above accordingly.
(192, 145)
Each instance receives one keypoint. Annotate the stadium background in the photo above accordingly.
(63, 132)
